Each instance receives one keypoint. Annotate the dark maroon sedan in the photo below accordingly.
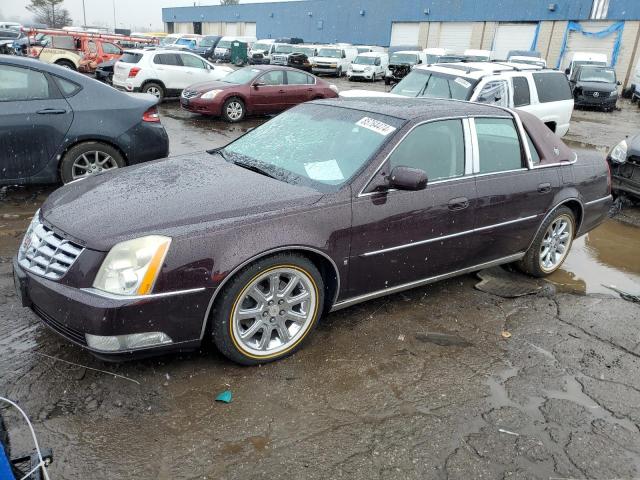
(329, 204)
(255, 90)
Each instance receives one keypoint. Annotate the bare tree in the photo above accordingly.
(229, 2)
(50, 12)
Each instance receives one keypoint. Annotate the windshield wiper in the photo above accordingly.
(253, 168)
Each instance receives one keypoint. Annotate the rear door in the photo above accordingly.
(268, 93)
(400, 237)
(512, 198)
(299, 87)
(168, 68)
(34, 119)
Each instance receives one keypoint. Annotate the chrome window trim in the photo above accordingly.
(114, 296)
(469, 151)
(447, 237)
(523, 139)
(598, 200)
(231, 274)
(476, 147)
(480, 175)
(386, 158)
(418, 283)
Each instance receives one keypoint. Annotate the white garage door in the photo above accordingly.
(249, 29)
(183, 27)
(231, 29)
(512, 36)
(577, 42)
(405, 33)
(455, 35)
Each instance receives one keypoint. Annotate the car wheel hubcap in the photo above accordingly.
(155, 91)
(556, 243)
(234, 110)
(274, 311)
(92, 163)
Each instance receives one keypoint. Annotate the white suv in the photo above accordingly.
(163, 73)
(542, 92)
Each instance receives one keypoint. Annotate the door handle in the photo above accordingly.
(51, 111)
(458, 203)
(544, 188)
(281, 91)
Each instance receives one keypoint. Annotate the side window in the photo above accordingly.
(437, 148)
(535, 156)
(521, 93)
(495, 92)
(192, 61)
(17, 83)
(67, 88)
(110, 48)
(552, 86)
(498, 145)
(297, 78)
(92, 47)
(274, 77)
(167, 59)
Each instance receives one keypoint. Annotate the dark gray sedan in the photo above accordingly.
(59, 125)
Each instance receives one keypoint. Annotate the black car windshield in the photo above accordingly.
(597, 74)
(330, 52)
(261, 47)
(362, 60)
(242, 76)
(207, 42)
(284, 49)
(423, 83)
(314, 145)
(224, 44)
(411, 58)
(309, 52)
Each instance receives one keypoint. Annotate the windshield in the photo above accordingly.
(284, 49)
(476, 58)
(597, 74)
(433, 58)
(188, 42)
(315, 145)
(207, 42)
(244, 75)
(168, 41)
(261, 47)
(421, 83)
(309, 52)
(224, 44)
(330, 52)
(411, 58)
(533, 61)
(365, 60)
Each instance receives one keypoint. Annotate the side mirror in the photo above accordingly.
(258, 85)
(406, 178)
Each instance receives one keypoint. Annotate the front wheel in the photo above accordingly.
(233, 110)
(268, 309)
(551, 245)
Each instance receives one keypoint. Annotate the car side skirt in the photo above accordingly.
(426, 281)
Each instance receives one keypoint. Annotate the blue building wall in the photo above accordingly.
(369, 21)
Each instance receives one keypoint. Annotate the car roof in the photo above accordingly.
(416, 108)
(477, 70)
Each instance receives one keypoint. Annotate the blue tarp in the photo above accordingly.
(617, 27)
(5, 466)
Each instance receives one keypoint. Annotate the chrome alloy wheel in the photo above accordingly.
(155, 91)
(274, 311)
(556, 242)
(92, 163)
(235, 110)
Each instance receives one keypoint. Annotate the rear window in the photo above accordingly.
(552, 86)
(129, 57)
(68, 88)
(167, 59)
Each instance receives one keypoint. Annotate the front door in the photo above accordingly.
(34, 119)
(268, 93)
(194, 70)
(399, 237)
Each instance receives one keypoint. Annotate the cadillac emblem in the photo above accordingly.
(596, 94)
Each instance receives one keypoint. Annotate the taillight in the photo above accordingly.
(133, 72)
(151, 115)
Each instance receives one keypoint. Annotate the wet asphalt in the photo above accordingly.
(440, 382)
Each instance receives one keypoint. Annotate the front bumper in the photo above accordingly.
(365, 75)
(73, 312)
(204, 107)
(259, 61)
(598, 102)
(325, 69)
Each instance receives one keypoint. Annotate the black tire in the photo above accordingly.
(154, 89)
(66, 164)
(339, 73)
(222, 325)
(225, 107)
(387, 81)
(66, 64)
(531, 262)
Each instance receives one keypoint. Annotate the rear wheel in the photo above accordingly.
(88, 159)
(268, 309)
(551, 245)
(233, 110)
(154, 89)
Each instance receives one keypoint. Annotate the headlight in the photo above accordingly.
(614, 93)
(367, 69)
(334, 88)
(619, 153)
(210, 94)
(131, 267)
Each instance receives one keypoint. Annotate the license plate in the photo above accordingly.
(21, 289)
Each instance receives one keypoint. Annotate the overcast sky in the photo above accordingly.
(133, 14)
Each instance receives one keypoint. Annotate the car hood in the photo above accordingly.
(633, 146)
(170, 197)
(213, 85)
(597, 86)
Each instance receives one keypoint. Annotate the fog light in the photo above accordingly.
(126, 342)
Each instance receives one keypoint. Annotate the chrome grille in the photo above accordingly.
(189, 94)
(45, 253)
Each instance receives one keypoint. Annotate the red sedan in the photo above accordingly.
(258, 89)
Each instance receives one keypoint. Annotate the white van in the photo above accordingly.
(585, 58)
(433, 54)
(369, 48)
(401, 63)
(334, 60)
(369, 66)
(222, 51)
(261, 51)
